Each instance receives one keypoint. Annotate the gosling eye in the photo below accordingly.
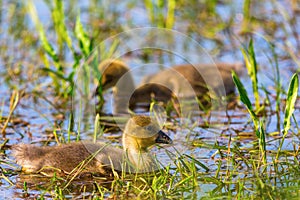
(109, 78)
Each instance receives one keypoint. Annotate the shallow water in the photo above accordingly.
(40, 112)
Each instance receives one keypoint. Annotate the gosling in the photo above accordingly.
(140, 133)
(186, 81)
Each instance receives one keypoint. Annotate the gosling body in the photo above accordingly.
(200, 78)
(140, 133)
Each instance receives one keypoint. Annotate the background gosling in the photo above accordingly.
(140, 133)
(183, 81)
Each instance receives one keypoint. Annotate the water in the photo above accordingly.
(40, 115)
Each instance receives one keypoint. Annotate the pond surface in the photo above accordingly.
(202, 36)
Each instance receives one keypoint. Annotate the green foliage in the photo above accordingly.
(98, 130)
(58, 17)
(245, 99)
(262, 141)
(247, 15)
(170, 14)
(289, 108)
(290, 102)
(156, 11)
(85, 42)
(63, 82)
(250, 61)
(259, 130)
(44, 42)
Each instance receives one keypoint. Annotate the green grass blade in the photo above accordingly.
(170, 15)
(262, 142)
(83, 38)
(247, 16)
(245, 99)
(150, 7)
(97, 128)
(290, 103)
(49, 50)
(45, 43)
(58, 74)
(197, 162)
(289, 108)
(250, 61)
(254, 74)
(59, 23)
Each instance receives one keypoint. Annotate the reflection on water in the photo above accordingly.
(84, 185)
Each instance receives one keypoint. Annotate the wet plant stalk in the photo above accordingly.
(14, 100)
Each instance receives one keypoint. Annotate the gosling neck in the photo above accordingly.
(140, 158)
(131, 145)
(122, 92)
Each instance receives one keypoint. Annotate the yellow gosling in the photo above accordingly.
(140, 133)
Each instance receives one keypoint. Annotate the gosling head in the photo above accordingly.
(112, 71)
(150, 91)
(142, 132)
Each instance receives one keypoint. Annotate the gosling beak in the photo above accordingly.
(163, 138)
